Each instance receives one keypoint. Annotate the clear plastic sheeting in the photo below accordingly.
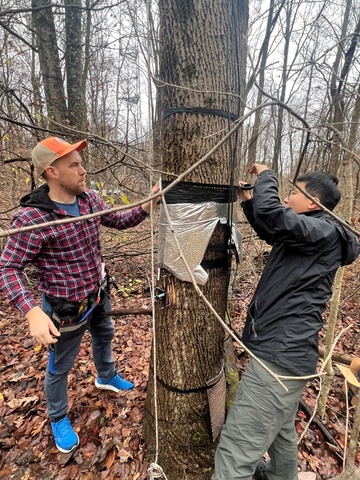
(193, 225)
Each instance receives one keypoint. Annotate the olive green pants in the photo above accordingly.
(262, 418)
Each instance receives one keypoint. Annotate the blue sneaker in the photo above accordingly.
(66, 439)
(115, 384)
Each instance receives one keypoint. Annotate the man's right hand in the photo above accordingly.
(41, 327)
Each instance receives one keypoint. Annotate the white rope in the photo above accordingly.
(154, 470)
(152, 293)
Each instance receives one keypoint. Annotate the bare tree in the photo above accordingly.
(74, 63)
(49, 61)
(263, 56)
(202, 56)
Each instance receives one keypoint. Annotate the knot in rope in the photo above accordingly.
(155, 471)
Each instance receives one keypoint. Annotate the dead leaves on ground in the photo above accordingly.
(110, 425)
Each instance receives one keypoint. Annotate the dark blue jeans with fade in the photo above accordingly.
(65, 352)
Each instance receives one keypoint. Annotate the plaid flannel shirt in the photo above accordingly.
(67, 257)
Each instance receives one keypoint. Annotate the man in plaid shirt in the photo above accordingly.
(70, 272)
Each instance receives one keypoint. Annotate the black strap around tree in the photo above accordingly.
(179, 390)
(189, 390)
(215, 263)
(199, 111)
(192, 192)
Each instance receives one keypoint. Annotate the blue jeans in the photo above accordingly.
(65, 352)
(262, 418)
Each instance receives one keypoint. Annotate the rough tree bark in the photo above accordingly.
(74, 63)
(49, 61)
(202, 48)
(69, 109)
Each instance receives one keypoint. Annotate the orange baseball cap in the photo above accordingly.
(50, 149)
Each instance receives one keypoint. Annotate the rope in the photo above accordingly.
(154, 470)
(233, 143)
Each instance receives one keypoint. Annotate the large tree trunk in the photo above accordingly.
(202, 48)
(74, 63)
(58, 109)
(49, 61)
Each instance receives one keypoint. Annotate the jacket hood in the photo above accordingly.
(39, 198)
(350, 242)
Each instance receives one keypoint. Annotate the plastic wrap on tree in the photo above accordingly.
(193, 224)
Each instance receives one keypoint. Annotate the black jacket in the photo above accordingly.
(285, 314)
(39, 198)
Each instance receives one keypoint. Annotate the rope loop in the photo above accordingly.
(155, 471)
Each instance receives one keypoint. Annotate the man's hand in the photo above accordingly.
(257, 168)
(244, 195)
(41, 327)
(147, 206)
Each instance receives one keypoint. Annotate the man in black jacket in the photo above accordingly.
(283, 321)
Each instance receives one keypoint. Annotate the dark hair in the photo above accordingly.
(323, 186)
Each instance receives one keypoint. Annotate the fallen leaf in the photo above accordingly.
(109, 411)
(39, 427)
(110, 459)
(22, 402)
(123, 455)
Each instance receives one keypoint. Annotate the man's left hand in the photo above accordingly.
(244, 195)
(147, 205)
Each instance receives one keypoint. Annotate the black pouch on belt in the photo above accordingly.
(67, 319)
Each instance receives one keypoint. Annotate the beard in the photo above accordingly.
(74, 189)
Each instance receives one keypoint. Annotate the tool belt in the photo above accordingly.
(71, 318)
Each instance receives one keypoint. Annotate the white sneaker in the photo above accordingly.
(307, 476)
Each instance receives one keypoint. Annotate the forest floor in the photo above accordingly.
(110, 425)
